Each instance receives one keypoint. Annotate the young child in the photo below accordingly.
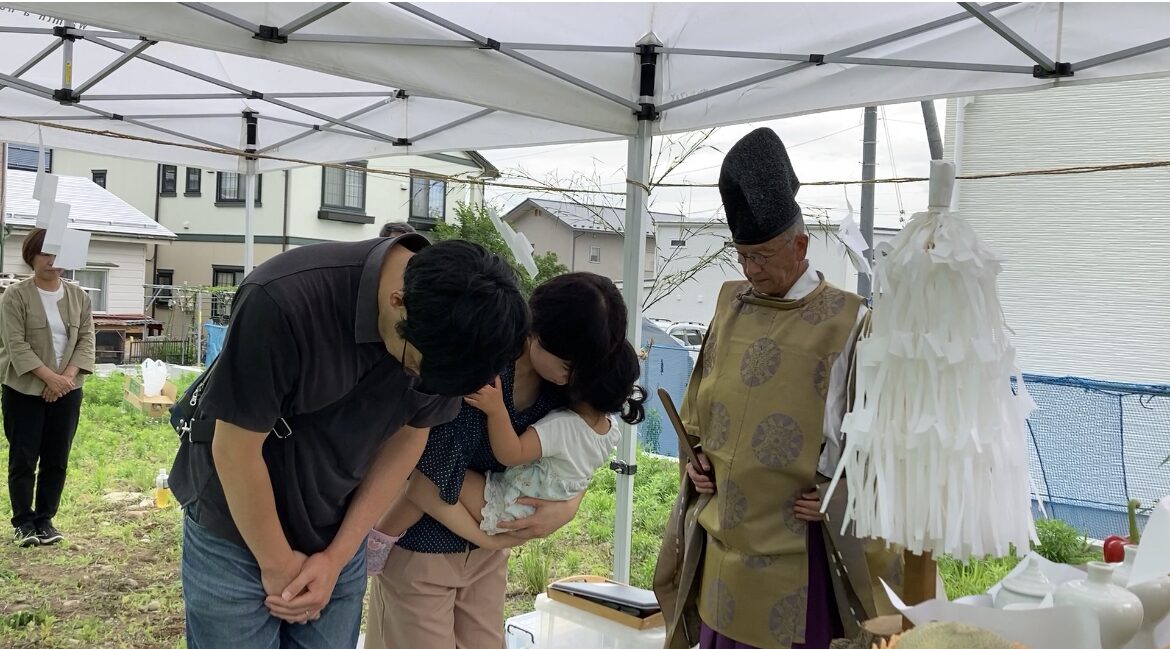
(556, 457)
(553, 460)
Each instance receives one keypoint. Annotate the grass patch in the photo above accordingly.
(973, 577)
(114, 581)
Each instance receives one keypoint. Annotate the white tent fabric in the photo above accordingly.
(202, 102)
(324, 79)
(563, 72)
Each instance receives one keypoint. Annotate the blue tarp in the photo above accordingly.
(1094, 444)
(213, 334)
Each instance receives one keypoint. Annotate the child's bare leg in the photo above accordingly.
(401, 516)
(463, 517)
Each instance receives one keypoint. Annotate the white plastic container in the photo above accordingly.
(520, 631)
(565, 627)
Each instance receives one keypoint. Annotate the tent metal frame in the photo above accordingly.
(645, 110)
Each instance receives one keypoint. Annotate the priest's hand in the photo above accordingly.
(702, 477)
(808, 507)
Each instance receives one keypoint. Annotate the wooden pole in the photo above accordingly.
(919, 580)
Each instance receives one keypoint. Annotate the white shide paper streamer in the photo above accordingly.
(855, 246)
(516, 241)
(70, 246)
(936, 456)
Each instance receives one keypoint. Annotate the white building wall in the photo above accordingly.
(123, 261)
(124, 280)
(387, 197)
(131, 180)
(1084, 283)
(187, 215)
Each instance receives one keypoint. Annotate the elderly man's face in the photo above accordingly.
(774, 266)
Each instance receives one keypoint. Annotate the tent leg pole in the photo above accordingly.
(67, 62)
(250, 126)
(249, 206)
(633, 273)
(3, 200)
(868, 172)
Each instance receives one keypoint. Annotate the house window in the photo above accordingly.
(428, 198)
(164, 278)
(99, 177)
(170, 180)
(24, 158)
(344, 189)
(194, 181)
(595, 254)
(223, 276)
(230, 188)
(678, 243)
(97, 282)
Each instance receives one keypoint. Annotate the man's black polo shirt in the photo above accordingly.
(303, 354)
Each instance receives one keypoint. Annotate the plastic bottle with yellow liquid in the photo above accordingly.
(162, 490)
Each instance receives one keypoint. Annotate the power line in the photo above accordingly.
(1055, 171)
(893, 162)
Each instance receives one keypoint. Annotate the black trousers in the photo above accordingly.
(38, 433)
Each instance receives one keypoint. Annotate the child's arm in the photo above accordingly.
(403, 514)
(424, 494)
(509, 449)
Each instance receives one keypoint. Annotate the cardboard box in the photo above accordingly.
(640, 624)
(153, 407)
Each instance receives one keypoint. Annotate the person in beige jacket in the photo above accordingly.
(46, 350)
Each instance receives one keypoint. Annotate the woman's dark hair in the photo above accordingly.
(581, 318)
(33, 243)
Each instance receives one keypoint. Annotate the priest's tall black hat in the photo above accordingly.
(759, 188)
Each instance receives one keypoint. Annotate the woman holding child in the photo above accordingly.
(551, 418)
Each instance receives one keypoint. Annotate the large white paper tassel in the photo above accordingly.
(936, 455)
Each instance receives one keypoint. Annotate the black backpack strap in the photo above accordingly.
(186, 419)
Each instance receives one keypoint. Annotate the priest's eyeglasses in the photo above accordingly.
(757, 258)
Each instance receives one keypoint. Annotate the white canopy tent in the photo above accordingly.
(344, 81)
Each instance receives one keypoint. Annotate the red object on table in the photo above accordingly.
(1114, 549)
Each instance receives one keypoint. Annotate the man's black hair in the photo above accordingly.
(465, 315)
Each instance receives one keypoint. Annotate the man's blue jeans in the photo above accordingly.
(225, 600)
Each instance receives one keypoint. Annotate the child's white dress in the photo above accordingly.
(571, 452)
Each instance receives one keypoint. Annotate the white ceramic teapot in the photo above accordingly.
(1154, 595)
(1028, 586)
(1118, 610)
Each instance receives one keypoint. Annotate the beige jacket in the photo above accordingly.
(26, 341)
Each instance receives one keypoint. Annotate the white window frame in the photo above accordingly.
(339, 180)
(424, 189)
(99, 296)
(595, 254)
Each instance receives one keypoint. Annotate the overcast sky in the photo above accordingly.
(825, 146)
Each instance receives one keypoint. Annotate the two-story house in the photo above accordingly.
(123, 238)
(301, 206)
(586, 238)
(295, 207)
